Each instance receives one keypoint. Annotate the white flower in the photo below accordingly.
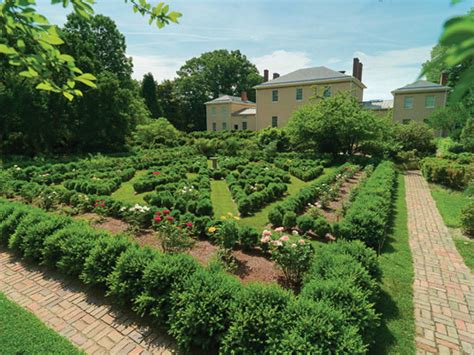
(295, 232)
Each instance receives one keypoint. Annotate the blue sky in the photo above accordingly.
(391, 37)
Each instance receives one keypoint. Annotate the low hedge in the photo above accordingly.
(205, 308)
(447, 172)
(369, 214)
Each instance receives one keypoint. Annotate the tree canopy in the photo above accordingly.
(205, 77)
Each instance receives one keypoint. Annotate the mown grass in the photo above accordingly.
(396, 334)
(221, 199)
(126, 192)
(22, 333)
(450, 203)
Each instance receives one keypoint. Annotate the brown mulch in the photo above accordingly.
(331, 213)
(251, 265)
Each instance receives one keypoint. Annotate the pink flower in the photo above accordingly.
(156, 173)
(277, 243)
(169, 218)
(265, 239)
(279, 229)
(301, 241)
(158, 213)
(157, 219)
(166, 212)
(189, 224)
(285, 238)
(266, 233)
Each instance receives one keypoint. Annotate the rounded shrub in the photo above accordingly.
(306, 223)
(289, 219)
(201, 311)
(467, 219)
(102, 259)
(315, 327)
(256, 315)
(9, 224)
(204, 207)
(26, 226)
(322, 227)
(248, 237)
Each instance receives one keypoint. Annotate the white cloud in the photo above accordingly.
(389, 70)
(282, 62)
(161, 67)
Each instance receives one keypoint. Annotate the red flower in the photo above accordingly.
(158, 213)
(189, 224)
(166, 212)
(157, 219)
(169, 218)
(156, 173)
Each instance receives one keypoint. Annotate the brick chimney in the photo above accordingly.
(355, 67)
(243, 96)
(443, 79)
(360, 71)
(275, 76)
(266, 74)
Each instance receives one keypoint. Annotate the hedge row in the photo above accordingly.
(303, 169)
(204, 308)
(308, 194)
(447, 172)
(368, 215)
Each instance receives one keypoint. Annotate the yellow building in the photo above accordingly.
(230, 113)
(418, 100)
(278, 98)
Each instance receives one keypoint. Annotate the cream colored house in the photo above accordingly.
(230, 113)
(418, 100)
(278, 98)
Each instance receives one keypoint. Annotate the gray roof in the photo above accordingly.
(306, 75)
(250, 111)
(229, 98)
(421, 85)
(378, 104)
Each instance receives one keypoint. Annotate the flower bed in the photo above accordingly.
(206, 308)
(255, 185)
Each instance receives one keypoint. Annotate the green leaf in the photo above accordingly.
(45, 86)
(68, 95)
(7, 50)
(51, 39)
(66, 58)
(86, 76)
(85, 81)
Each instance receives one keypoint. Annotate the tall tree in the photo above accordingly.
(170, 103)
(203, 78)
(148, 92)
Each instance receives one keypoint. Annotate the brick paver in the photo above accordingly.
(80, 314)
(443, 286)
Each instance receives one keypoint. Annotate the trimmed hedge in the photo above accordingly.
(447, 172)
(207, 308)
(368, 215)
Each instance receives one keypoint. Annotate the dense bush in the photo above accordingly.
(306, 223)
(467, 219)
(206, 308)
(248, 237)
(368, 216)
(447, 172)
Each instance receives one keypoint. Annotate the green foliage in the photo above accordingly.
(248, 237)
(102, 259)
(157, 133)
(148, 92)
(447, 172)
(415, 136)
(369, 214)
(450, 119)
(467, 219)
(31, 43)
(333, 125)
(201, 310)
(322, 227)
(306, 223)
(467, 136)
(255, 317)
(289, 219)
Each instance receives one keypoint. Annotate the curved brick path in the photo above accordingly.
(85, 318)
(443, 286)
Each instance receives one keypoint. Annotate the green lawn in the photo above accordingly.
(126, 192)
(396, 334)
(450, 204)
(22, 333)
(222, 199)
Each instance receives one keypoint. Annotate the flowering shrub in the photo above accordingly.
(137, 215)
(293, 258)
(174, 238)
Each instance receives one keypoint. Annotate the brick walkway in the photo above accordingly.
(443, 286)
(77, 313)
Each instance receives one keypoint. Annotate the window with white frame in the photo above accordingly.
(430, 101)
(408, 102)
